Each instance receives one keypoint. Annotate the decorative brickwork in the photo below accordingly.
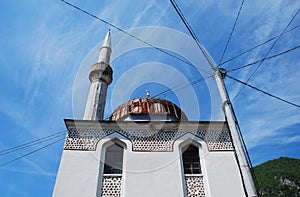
(84, 139)
(154, 141)
(111, 186)
(145, 140)
(194, 186)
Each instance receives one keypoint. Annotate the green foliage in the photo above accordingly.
(279, 177)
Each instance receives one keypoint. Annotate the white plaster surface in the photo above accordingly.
(145, 174)
(77, 175)
(223, 174)
(153, 174)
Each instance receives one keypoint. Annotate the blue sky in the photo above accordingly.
(47, 47)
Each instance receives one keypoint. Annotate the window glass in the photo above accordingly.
(191, 160)
(113, 159)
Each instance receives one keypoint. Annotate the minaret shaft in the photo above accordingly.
(96, 101)
(104, 55)
(100, 77)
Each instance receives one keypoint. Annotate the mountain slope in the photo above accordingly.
(279, 177)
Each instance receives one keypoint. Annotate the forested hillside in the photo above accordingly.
(279, 177)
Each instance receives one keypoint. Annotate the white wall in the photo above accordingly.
(148, 173)
(77, 174)
(153, 174)
(223, 174)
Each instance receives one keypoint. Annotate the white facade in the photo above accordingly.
(146, 173)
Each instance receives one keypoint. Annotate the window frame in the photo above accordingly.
(110, 170)
(191, 162)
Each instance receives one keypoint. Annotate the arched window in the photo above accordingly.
(113, 162)
(191, 160)
(111, 180)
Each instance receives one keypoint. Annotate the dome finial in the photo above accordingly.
(148, 93)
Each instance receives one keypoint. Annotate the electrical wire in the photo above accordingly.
(189, 28)
(244, 146)
(256, 69)
(32, 143)
(232, 30)
(263, 59)
(170, 91)
(261, 44)
(262, 91)
(238, 127)
(29, 153)
(181, 86)
(135, 37)
(178, 87)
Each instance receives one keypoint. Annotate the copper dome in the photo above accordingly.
(146, 109)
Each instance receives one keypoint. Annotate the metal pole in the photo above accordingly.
(248, 182)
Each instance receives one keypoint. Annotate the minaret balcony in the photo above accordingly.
(101, 71)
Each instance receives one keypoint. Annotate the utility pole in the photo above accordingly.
(247, 179)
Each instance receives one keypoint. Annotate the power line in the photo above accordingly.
(256, 69)
(229, 60)
(32, 143)
(263, 59)
(245, 147)
(20, 157)
(35, 142)
(133, 36)
(189, 28)
(180, 86)
(186, 85)
(169, 91)
(269, 94)
(232, 30)
(27, 143)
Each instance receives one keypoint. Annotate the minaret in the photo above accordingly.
(100, 77)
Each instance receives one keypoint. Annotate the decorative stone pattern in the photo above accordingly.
(154, 141)
(79, 139)
(194, 186)
(111, 186)
(145, 140)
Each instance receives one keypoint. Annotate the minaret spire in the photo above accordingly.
(100, 77)
(105, 50)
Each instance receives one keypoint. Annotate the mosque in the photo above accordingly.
(147, 148)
